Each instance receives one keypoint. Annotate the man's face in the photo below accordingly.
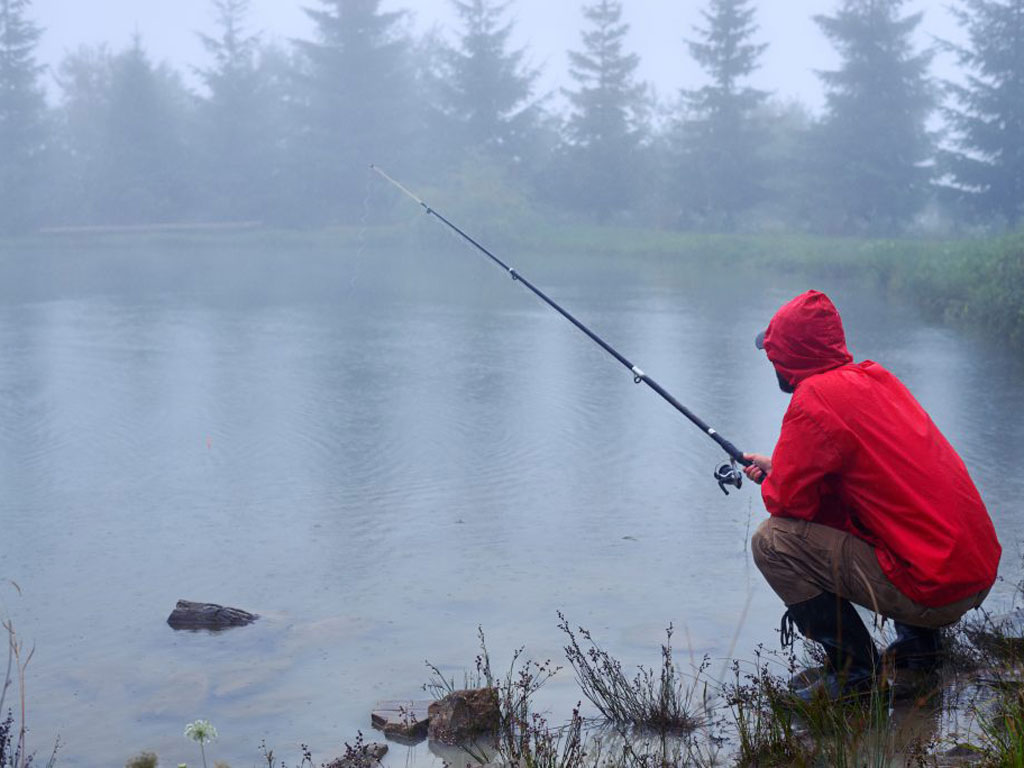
(784, 385)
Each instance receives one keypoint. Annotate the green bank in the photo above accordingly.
(974, 283)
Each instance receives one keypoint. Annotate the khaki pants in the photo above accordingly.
(800, 560)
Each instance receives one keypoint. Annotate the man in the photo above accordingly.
(869, 505)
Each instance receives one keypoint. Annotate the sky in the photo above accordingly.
(547, 28)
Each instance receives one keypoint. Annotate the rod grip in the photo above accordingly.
(733, 451)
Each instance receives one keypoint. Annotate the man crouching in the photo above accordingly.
(869, 504)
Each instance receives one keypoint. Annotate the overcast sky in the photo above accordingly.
(548, 28)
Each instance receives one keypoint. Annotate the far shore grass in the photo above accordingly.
(974, 282)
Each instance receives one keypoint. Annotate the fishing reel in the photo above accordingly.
(729, 473)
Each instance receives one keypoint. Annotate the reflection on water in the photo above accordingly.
(379, 452)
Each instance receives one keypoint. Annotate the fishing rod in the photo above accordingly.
(727, 474)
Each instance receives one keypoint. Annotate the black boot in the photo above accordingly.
(915, 648)
(853, 660)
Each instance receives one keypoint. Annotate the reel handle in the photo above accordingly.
(729, 473)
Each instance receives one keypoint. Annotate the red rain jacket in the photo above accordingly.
(859, 453)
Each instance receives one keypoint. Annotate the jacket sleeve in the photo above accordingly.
(804, 465)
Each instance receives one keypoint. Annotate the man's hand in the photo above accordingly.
(760, 469)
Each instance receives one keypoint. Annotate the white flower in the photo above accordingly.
(200, 731)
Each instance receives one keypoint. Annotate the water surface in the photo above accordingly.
(380, 450)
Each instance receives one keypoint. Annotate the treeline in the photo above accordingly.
(284, 134)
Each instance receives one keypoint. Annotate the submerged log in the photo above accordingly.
(189, 615)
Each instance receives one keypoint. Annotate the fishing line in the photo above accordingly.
(370, 204)
(727, 474)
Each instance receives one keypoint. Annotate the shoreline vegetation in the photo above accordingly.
(971, 283)
(669, 715)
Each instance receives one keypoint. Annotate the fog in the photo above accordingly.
(244, 110)
(546, 28)
(236, 365)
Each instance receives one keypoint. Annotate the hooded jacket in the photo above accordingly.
(859, 453)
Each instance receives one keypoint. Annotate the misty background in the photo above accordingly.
(236, 365)
(840, 118)
(548, 30)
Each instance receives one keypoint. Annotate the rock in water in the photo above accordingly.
(188, 615)
(461, 716)
(404, 721)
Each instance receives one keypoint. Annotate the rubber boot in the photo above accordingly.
(852, 660)
(918, 649)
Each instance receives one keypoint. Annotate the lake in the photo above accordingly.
(381, 449)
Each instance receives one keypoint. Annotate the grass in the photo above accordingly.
(767, 732)
(982, 679)
(997, 658)
(14, 748)
(143, 760)
(661, 718)
(639, 714)
(972, 282)
(661, 700)
(523, 736)
(1003, 729)
(773, 728)
(12, 739)
(658, 717)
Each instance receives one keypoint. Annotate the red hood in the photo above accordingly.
(806, 337)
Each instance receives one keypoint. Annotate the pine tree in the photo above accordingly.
(23, 131)
(789, 186)
(873, 145)
(84, 77)
(358, 102)
(988, 168)
(722, 166)
(236, 133)
(144, 154)
(126, 123)
(486, 87)
(607, 120)
(281, 116)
